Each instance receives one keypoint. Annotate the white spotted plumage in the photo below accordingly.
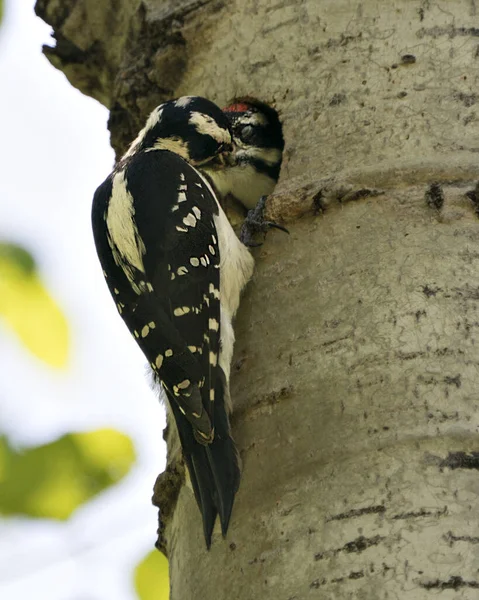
(190, 220)
(157, 224)
(176, 269)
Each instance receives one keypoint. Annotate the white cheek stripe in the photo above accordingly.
(206, 125)
(270, 156)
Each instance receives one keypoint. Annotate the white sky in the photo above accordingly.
(54, 153)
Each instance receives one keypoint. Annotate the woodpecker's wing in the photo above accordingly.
(159, 232)
(156, 239)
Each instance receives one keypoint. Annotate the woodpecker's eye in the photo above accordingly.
(246, 134)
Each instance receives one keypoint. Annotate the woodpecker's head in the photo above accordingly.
(191, 126)
(255, 162)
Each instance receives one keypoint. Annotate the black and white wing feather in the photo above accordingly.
(166, 285)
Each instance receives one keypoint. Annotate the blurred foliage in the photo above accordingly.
(27, 307)
(52, 480)
(151, 577)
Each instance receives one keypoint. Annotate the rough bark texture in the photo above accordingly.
(356, 370)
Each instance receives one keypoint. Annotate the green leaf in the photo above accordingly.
(29, 310)
(151, 577)
(18, 256)
(53, 480)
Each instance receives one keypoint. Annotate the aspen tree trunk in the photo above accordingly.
(356, 373)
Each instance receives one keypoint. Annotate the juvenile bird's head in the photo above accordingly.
(255, 162)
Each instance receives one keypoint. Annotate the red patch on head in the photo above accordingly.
(240, 107)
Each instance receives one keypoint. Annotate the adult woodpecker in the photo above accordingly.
(176, 269)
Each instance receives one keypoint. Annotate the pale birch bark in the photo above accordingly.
(356, 378)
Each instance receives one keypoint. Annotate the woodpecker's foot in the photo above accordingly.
(255, 223)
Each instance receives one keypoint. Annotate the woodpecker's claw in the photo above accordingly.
(255, 223)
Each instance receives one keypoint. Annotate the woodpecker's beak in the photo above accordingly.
(226, 158)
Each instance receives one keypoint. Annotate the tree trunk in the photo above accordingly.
(356, 371)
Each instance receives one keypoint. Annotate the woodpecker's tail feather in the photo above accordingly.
(214, 468)
(202, 481)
